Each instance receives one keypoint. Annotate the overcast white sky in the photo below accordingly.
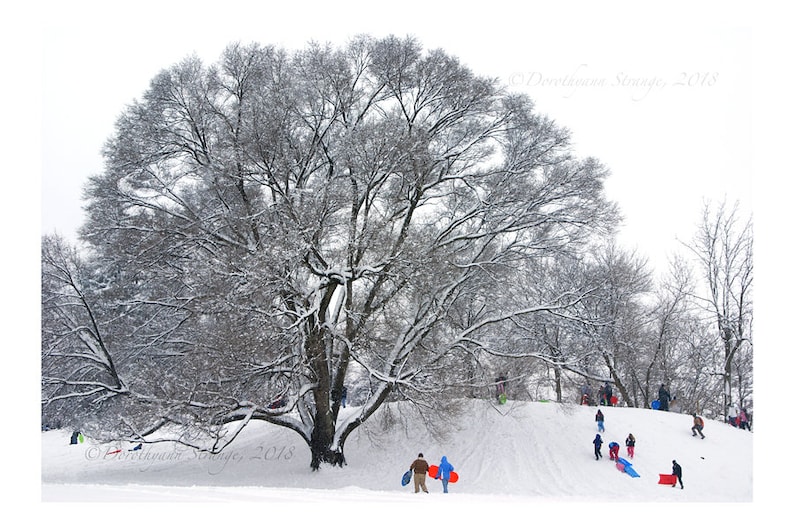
(661, 98)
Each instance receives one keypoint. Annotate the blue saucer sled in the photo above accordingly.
(406, 478)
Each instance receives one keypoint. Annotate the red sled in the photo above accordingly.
(433, 472)
(667, 479)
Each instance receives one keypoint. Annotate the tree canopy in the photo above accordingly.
(283, 224)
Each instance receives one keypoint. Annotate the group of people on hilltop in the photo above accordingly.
(604, 396)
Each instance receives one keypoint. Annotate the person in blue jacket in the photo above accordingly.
(445, 468)
(597, 442)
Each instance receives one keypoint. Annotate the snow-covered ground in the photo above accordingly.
(522, 458)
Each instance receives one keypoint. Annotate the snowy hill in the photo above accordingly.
(520, 452)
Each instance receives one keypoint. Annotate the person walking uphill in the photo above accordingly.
(597, 442)
(445, 468)
(600, 420)
(697, 427)
(420, 467)
(677, 473)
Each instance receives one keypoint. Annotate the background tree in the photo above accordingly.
(723, 249)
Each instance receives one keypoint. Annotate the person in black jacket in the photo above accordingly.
(600, 420)
(608, 394)
(664, 398)
(630, 440)
(677, 473)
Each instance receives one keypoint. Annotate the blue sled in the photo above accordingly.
(627, 468)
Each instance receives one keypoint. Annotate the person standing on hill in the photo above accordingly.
(664, 398)
(697, 427)
(677, 473)
(445, 468)
(744, 419)
(733, 415)
(597, 442)
(608, 394)
(586, 394)
(420, 468)
(600, 420)
(630, 440)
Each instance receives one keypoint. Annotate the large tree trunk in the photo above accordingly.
(322, 448)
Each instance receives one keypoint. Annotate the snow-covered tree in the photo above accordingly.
(723, 249)
(281, 224)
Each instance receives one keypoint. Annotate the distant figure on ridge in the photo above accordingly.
(501, 389)
(585, 394)
(744, 419)
(664, 398)
(733, 415)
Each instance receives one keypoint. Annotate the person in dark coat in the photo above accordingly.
(608, 394)
(677, 473)
(597, 442)
(664, 398)
(600, 420)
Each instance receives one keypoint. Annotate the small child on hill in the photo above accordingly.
(597, 442)
(630, 440)
(613, 451)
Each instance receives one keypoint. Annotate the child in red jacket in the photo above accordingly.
(613, 451)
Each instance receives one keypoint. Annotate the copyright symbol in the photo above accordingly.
(92, 453)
